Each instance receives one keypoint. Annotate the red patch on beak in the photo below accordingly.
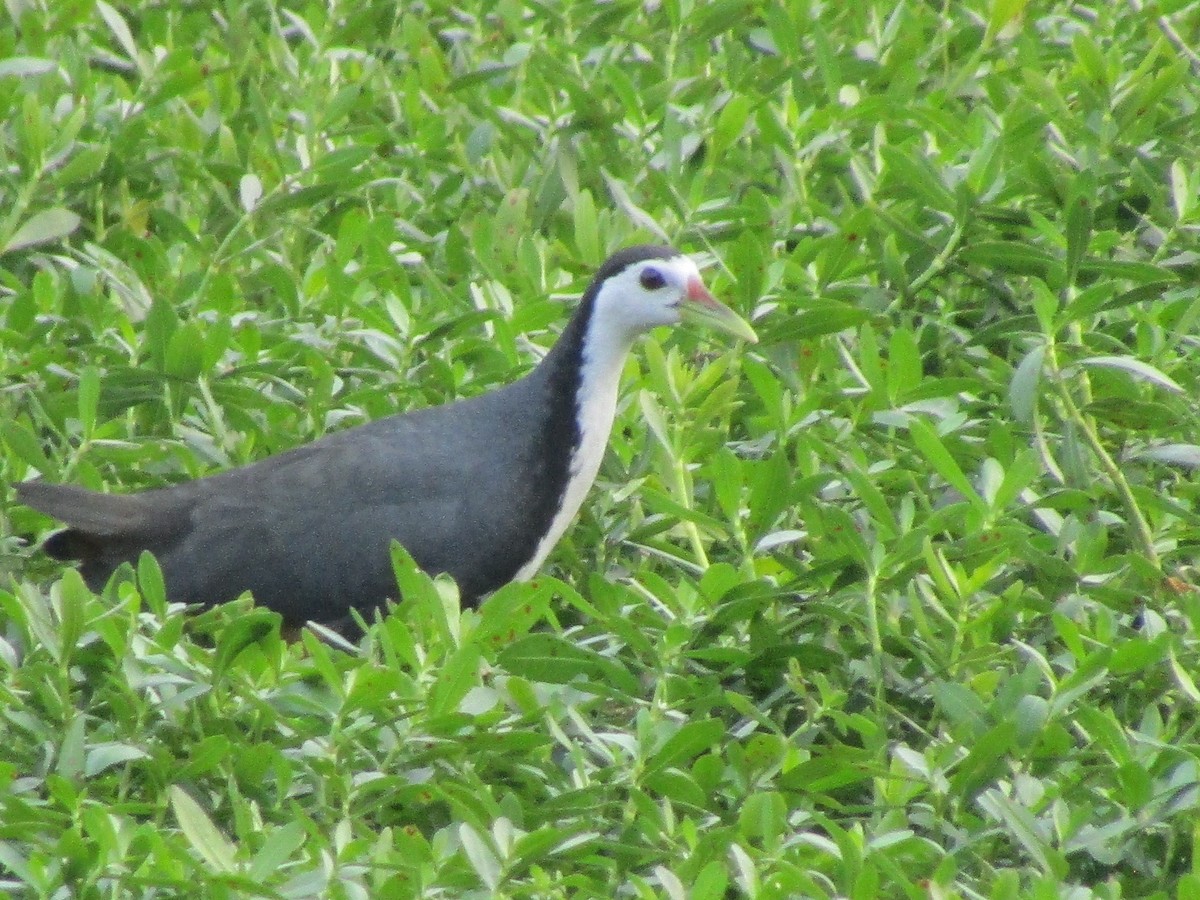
(698, 293)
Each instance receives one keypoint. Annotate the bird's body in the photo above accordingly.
(307, 531)
(481, 488)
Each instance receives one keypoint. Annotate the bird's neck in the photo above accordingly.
(604, 355)
(582, 374)
(586, 366)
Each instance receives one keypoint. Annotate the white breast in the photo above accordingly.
(599, 380)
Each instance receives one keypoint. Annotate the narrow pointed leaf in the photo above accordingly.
(205, 838)
(1134, 367)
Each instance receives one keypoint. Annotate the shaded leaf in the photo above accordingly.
(1184, 455)
(547, 657)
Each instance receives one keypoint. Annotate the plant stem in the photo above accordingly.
(1142, 535)
(683, 493)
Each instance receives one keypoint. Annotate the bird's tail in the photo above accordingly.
(102, 515)
(105, 529)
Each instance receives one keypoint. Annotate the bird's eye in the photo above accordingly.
(652, 279)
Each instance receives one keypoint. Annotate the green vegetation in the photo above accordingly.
(898, 603)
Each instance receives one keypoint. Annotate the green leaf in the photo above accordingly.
(587, 232)
(414, 584)
(904, 372)
(247, 630)
(1184, 455)
(1137, 654)
(711, 883)
(73, 598)
(1031, 715)
(512, 611)
(1003, 13)
(1183, 678)
(1135, 367)
(71, 749)
(119, 28)
(638, 216)
(1022, 471)
(818, 318)
(910, 167)
(1146, 416)
(763, 817)
(250, 191)
(652, 415)
(686, 744)
(482, 75)
(1009, 257)
(89, 399)
(483, 859)
(322, 662)
(771, 486)
(730, 124)
(935, 452)
(43, 227)
(105, 756)
(23, 445)
(278, 847)
(458, 673)
(151, 584)
(26, 66)
(1024, 389)
(961, 706)
(1183, 192)
(200, 832)
(161, 323)
(185, 352)
(1081, 205)
(1020, 824)
(549, 658)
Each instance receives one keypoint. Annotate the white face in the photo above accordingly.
(647, 294)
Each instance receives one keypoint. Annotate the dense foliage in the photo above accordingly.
(899, 602)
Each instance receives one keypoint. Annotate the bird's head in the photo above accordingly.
(643, 287)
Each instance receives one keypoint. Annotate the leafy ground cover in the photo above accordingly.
(898, 603)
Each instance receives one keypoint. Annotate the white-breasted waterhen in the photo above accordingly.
(481, 488)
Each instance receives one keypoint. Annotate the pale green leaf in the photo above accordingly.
(483, 860)
(205, 838)
(26, 66)
(1135, 367)
(120, 29)
(43, 228)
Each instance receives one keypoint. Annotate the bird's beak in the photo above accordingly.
(702, 308)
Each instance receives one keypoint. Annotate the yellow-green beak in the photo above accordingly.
(702, 308)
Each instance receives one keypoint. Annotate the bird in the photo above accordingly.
(480, 488)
